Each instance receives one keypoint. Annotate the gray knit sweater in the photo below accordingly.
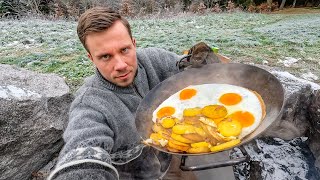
(101, 139)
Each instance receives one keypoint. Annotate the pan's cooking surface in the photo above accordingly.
(247, 76)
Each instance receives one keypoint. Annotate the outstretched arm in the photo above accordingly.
(88, 143)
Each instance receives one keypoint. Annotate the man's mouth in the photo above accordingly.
(124, 76)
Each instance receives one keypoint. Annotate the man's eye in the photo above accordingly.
(125, 50)
(105, 57)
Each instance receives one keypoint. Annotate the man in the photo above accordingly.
(101, 139)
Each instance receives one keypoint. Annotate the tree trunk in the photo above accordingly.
(294, 3)
(269, 2)
(282, 4)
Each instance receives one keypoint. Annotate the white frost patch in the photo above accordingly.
(289, 78)
(199, 27)
(16, 92)
(288, 61)
(14, 43)
(309, 76)
(295, 166)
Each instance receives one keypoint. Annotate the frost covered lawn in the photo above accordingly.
(290, 42)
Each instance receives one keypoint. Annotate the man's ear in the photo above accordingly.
(90, 57)
(134, 42)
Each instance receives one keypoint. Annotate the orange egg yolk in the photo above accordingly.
(230, 99)
(187, 94)
(245, 118)
(166, 111)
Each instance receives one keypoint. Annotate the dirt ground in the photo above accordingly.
(298, 11)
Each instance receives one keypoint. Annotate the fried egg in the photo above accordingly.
(242, 104)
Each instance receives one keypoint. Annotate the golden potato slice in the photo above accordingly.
(189, 112)
(183, 129)
(212, 141)
(214, 111)
(167, 122)
(193, 137)
(155, 138)
(229, 127)
(178, 142)
(191, 120)
(197, 150)
(200, 144)
(156, 127)
(180, 138)
(174, 146)
(173, 150)
(201, 132)
(217, 120)
(225, 145)
(164, 134)
(208, 121)
(211, 131)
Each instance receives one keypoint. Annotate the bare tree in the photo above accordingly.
(210, 3)
(269, 2)
(282, 4)
(294, 3)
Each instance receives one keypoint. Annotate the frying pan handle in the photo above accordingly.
(218, 164)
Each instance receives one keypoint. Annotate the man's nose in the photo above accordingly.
(120, 64)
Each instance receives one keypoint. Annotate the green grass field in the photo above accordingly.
(270, 39)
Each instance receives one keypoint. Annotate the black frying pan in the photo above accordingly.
(243, 75)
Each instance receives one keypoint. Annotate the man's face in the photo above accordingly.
(114, 54)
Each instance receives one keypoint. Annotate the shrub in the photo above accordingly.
(231, 6)
(216, 8)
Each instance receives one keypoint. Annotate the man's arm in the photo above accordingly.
(163, 62)
(88, 142)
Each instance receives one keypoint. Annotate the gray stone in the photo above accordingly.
(295, 120)
(274, 158)
(314, 133)
(33, 110)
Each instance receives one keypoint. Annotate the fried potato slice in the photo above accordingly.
(213, 134)
(157, 127)
(175, 146)
(179, 143)
(191, 120)
(201, 132)
(214, 111)
(212, 141)
(217, 120)
(183, 129)
(208, 121)
(193, 137)
(156, 137)
(225, 145)
(197, 150)
(167, 122)
(229, 127)
(173, 150)
(190, 112)
(200, 144)
(180, 138)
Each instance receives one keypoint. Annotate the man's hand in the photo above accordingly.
(199, 55)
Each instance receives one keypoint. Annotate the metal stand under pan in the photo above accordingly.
(217, 164)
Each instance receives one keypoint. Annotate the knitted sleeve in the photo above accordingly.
(88, 144)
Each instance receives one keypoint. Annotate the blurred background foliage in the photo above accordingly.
(71, 9)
